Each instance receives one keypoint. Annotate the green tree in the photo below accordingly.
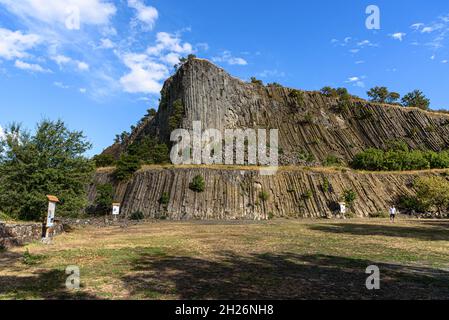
(393, 97)
(433, 192)
(51, 161)
(254, 80)
(416, 99)
(378, 94)
(103, 160)
(126, 166)
(349, 196)
(104, 198)
(198, 184)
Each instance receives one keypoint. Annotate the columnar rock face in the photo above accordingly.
(236, 194)
(309, 123)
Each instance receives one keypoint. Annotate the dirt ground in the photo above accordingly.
(278, 259)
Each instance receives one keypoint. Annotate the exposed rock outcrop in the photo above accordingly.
(311, 123)
(235, 194)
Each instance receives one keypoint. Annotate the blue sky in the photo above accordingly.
(99, 64)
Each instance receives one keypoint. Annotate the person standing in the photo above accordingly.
(393, 212)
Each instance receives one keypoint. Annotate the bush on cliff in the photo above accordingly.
(103, 160)
(126, 166)
(400, 160)
(51, 161)
(198, 184)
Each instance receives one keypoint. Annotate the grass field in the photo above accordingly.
(280, 259)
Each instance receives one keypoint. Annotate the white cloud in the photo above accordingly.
(145, 75)
(417, 26)
(366, 43)
(106, 44)
(357, 81)
(354, 50)
(14, 44)
(60, 85)
(169, 42)
(427, 30)
(444, 61)
(30, 67)
(93, 12)
(271, 73)
(171, 58)
(360, 62)
(83, 90)
(61, 59)
(398, 36)
(227, 57)
(82, 66)
(147, 15)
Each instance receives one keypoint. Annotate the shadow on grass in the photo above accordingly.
(279, 276)
(436, 232)
(43, 285)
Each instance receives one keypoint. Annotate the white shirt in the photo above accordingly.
(393, 211)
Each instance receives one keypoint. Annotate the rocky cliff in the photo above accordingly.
(308, 122)
(235, 194)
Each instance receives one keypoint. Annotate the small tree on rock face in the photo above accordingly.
(197, 185)
(349, 196)
(416, 99)
(126, 166)
(254, 80)
(103, 160)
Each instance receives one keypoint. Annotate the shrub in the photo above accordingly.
(164, 199)
(349, 197)
(306, 156)
(329, 92)
(400, 159)
(137, 215)
(412, 203)
(307, 195)
(297, 95)
(103, 160)
(264, 196)
(308, 118)
(255, 81)
(198, 184)
(331, 160)
(175, 119)
(379, 214)
(150, 151)
(326, 185)
(126, 167)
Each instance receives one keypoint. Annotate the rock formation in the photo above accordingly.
(308, 122)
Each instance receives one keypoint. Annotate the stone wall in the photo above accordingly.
(21, 233)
